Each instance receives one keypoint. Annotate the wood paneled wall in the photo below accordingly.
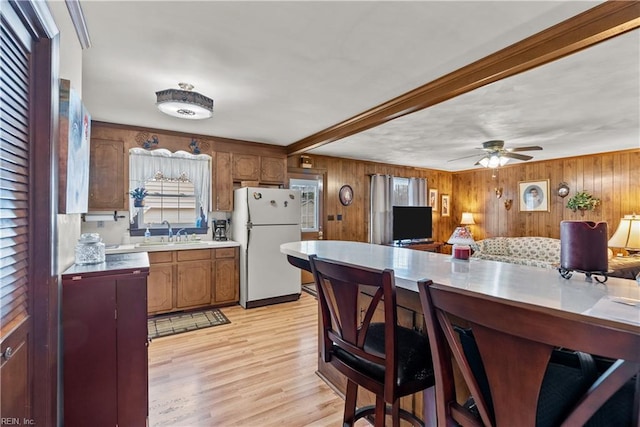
(355, 217)
(612, 177)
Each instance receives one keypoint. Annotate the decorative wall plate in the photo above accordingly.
(346, 195)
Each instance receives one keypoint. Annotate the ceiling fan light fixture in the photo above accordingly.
(493, 161)
(184, 103)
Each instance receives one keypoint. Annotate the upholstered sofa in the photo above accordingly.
(535, 251)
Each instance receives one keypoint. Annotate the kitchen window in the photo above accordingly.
(179, 191)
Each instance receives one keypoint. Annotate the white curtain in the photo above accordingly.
(417, 192)
(144, 164)
(381, 209)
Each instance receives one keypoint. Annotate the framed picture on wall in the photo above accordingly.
(446, 207)
(433, 199)
(533, 196)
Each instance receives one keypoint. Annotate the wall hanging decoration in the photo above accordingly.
(445, 205)
(563, 189)
(74, 136)
(147, 141)
(508, 203)
(433, 199)
(346, 195)
(582, 201)
(534, 196)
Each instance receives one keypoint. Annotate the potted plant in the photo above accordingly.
(582, 201)
(138, 195)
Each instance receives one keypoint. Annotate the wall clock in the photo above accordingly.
(346, 195)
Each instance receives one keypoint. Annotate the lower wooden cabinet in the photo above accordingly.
(104, 328)
(188, 279)
(226, 277)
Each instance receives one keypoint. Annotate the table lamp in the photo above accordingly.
(627, 236)
(461, 239)
(467, 219)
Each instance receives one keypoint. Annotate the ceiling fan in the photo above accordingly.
(496, 155)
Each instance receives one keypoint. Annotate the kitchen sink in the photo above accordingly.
(186, 242)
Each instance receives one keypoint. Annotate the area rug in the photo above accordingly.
(310, 288)
(171, 324)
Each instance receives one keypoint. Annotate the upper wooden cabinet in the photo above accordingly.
(246, 167)
(265, 169)
(107, 189)
(273, 170)
(223, 197)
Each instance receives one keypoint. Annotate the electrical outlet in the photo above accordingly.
(339, 217)
(100, 224)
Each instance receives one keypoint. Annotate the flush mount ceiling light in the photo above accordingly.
(184, 103)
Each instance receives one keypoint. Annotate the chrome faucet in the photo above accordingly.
(178, 237)
(170, 238)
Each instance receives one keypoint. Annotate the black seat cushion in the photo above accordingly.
(414, 356)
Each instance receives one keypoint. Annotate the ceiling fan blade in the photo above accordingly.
(517, 156)
(531, 148)
(465, 157)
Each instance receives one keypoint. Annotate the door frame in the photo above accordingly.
(320, 175)
(44, 363)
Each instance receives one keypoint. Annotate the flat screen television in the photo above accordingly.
(412, 223)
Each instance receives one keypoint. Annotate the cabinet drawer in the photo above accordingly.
(193, 255)
(226, 253)
(159, 257)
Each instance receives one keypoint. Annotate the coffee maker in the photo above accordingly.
(220, 229)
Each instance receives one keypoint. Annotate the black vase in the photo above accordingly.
(138, 203)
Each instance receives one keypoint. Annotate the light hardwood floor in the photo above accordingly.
(259, 370)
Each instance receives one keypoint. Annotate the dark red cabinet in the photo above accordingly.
(104, 326)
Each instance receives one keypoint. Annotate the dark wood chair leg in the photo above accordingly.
(381, 407)
(350, 404)
(395, 413)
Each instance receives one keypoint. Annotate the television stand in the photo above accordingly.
(427, 246)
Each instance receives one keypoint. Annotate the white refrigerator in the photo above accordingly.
(263, 219)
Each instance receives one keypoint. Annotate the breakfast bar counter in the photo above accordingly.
(617, 302)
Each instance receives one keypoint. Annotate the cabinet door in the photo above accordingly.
(246, 167)
(133, 404)
(224, 183)
(193, 284)
(107, 189)
(90, 352)
(272, 170)
(160, 288)
(226, 283)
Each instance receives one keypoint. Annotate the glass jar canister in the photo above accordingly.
(90, 249)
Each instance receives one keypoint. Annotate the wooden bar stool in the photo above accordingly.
(389, 360)
(513, 344)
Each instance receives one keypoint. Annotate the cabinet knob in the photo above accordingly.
(8, 352)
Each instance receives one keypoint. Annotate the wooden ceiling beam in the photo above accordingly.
(593, 26)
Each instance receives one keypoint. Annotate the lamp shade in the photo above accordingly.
(467, 219)
(461, 236)
(627, 236)
(184, 103)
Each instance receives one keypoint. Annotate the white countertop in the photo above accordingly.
(171, 246)
(530, 285)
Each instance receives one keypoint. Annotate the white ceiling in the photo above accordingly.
(281, 71)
